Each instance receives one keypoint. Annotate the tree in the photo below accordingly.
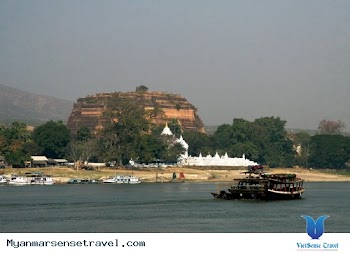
(275, 148)
(175, 127)
(81, 151)
(53, 138)
(264, 140)
(148, 149)
(199, 143)
(156, 111)
(124, 123)
(141, 89)
(301, 144)
(172, 153)
(84, 134)
(14, 142)
(247, 148)
(330, 127)
(329, 151)
(223, 136)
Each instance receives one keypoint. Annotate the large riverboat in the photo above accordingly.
(31, 178)
(259, 185)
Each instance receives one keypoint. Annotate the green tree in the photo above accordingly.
(329, 151)
(172, 152)
(84, 134)
(148, 149)
(264, 140)
(156, 111)
(275, 148)
(223, 136)
(52, 138)
(124, 123)
(142, 89)
(175, 127)
(13, 141)
(250, 150)
(199, 143)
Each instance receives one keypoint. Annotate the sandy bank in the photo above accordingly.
(62, 175)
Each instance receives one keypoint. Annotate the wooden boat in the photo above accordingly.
(260, 185)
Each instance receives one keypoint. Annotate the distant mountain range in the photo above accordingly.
(34, 109)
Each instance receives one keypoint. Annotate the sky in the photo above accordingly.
(231, 59)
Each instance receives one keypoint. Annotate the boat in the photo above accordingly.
(31, 178)
(81, 181)
(260, 185)
(3, 179)
(123, 179)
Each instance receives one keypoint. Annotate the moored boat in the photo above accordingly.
(127, 179)
(81, 181)
(31, 178)
(260, 185)
(3, 179)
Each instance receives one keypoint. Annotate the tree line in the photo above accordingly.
(126, 133)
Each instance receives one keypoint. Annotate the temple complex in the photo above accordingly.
(208, 160)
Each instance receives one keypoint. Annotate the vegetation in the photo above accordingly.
(331, 127)
(142, 89)
(329, 151)
(126, 134)
(52, 138)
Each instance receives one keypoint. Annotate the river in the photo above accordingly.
(165, 208)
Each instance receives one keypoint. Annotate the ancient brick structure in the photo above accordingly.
(87, 112)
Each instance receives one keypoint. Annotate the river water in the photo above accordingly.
(165, 208)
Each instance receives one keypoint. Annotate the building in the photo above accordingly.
(38, 161)
(208, 160)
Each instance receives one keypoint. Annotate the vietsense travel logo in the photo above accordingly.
(315, 229)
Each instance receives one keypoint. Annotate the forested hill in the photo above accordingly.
(18, 105)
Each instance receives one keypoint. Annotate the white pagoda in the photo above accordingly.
(208, 160)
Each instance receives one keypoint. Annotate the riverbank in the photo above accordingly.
(62, 175)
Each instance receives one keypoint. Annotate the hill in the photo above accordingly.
(18, 105)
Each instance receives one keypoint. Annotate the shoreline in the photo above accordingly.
(61, 175)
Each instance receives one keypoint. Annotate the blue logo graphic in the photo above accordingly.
(315, 228)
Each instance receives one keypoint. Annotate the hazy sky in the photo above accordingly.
(231, 59)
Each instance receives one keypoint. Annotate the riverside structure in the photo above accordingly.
(208, 160)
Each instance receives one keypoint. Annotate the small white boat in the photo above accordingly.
(110, 180)
(123, 179)
(31, 178)
(3, 179)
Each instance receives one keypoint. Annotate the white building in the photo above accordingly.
(208, 160)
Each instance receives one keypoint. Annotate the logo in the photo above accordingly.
(315, 228)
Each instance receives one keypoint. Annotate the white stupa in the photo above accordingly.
(208, 160)
(183, 143)
(166, 131)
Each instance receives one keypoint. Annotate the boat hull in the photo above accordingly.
(282, 195)
(30, 183)
(263, 195)
(31, 179)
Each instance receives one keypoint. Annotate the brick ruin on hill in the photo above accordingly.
(88, 111)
